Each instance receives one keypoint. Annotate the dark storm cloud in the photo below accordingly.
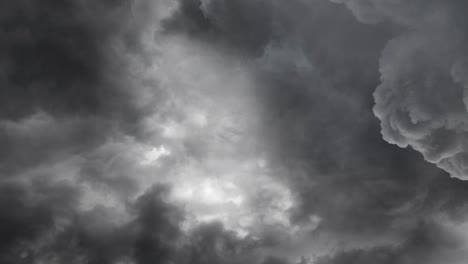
(29, 211)
(245, 25)
(53, 54)
(40, 138)
(67, 94)
(58, 234)
(430, 242)
(64, 81)
(321, 125)
(67, 90)
(211, 243)
(64, 91)
(153, 236)
(319, 67)
(421, 101)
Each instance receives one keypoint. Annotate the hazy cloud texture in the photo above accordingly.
(233, 131)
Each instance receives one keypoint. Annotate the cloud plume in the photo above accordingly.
(421, 100)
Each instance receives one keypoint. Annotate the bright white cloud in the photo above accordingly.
(154, 154)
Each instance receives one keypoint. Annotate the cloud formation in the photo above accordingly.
(421, 100)
(216, 131)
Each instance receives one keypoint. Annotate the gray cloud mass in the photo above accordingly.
(233, 131)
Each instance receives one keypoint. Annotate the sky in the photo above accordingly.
(233, 131)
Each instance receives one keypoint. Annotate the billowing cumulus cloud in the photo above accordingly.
(421, 100)
(317, 71)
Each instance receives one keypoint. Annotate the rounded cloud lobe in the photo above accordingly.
(421, 100)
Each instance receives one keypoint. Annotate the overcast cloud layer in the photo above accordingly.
(233, 131)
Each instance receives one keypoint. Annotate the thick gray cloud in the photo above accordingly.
(66, 88)
(319, 68)
(421, 100)
(429, 242)
(53, 55)
(259, 116)
(75, 143)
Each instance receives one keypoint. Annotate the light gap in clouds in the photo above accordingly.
(209, 139)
